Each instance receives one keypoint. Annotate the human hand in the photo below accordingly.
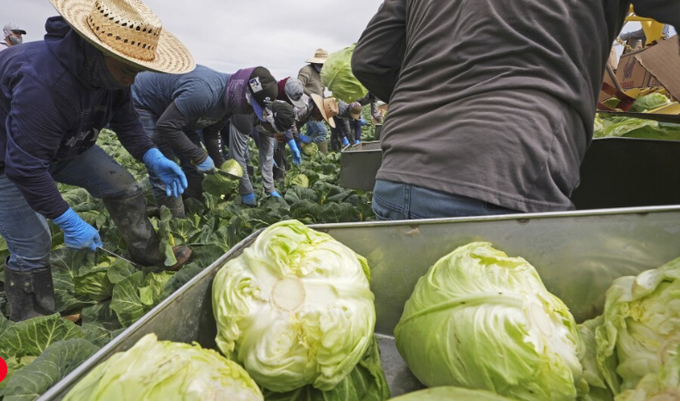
(77, 233)
(305, 138)
(168, 171)
(295, 152)
(345, 142)
(206, 166)
(249, 199)
(356, 141)
(274, 194)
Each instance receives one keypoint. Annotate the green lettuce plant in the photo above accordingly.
(482, 320)
(155, 370)
(295, 308)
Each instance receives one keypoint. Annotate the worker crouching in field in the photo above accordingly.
(174, 108)
(56, 96)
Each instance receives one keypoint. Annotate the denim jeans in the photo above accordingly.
(397, 201)
(194, 177)
(317, 130)
(27, 232)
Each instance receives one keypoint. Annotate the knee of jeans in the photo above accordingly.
(123, 189)
(37, 256)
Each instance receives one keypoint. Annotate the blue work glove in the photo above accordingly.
(295, 152)
(345, 142)
(356, 141)
(362, 121)
(249, 199)
(77, 233)
(305, 138)
(207, 166)
(274, 194)
(168, 171)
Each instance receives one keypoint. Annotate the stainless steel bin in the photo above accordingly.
(616, 172)
(577, 254)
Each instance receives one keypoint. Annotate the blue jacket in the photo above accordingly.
(49, 113)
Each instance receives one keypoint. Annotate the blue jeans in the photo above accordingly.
(194, 177)
(397, 201)
(27, 232)
(317, 130)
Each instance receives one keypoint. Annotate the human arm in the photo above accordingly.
(305, 76)
(170, 127)
(377, 57)
(212, 140)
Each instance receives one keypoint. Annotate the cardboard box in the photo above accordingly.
(658, 65)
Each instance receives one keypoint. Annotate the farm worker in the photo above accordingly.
(310, 76)
(13, 36)
(306, 108)
(174, 108)
(56, 96)
(343, 130)
(280, 117)
(491, 102)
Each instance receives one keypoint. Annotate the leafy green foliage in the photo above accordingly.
(111, 294)
(58, 360)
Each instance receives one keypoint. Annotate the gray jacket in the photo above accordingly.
(492, 100)
(311, 80)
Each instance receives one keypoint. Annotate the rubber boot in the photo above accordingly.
(29, 293)
(176, 205)
(323, 147)
(129, 215)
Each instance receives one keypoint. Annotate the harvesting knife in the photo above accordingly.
(120, 257)
(228, 174)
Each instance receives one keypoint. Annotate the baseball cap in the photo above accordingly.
(355, 110)
(294, 91)
(284, 116)
(263, 88)
(13, 28)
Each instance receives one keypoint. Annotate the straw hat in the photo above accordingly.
(129, 31)
(328, 108)
(320, 57)
(382, 109)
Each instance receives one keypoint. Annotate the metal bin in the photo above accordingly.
(577, 255)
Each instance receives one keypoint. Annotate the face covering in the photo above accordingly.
(97, 74)
(15, 40)
(317, 67)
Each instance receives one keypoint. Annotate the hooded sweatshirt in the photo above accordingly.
(50, 114)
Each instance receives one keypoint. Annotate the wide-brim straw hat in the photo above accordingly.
(328, 108)
(129, 31)
(320, 57)
(382, 109)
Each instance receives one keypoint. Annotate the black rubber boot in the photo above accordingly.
(29, 293)
(176, 205)
(323, 147)
(129, 215)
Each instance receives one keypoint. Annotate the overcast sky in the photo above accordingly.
(227, 35)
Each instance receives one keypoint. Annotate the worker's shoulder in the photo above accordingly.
(306, 70)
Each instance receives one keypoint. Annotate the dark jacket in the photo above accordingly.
(493, 100)
(48, 113)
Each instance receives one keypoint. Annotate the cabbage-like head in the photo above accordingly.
(233, 169)
(155, 370)
(641, 320)
(337, 76)
(450, 393)
(310, 149)
(295, 308)
(299, 180)
(482, 320)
